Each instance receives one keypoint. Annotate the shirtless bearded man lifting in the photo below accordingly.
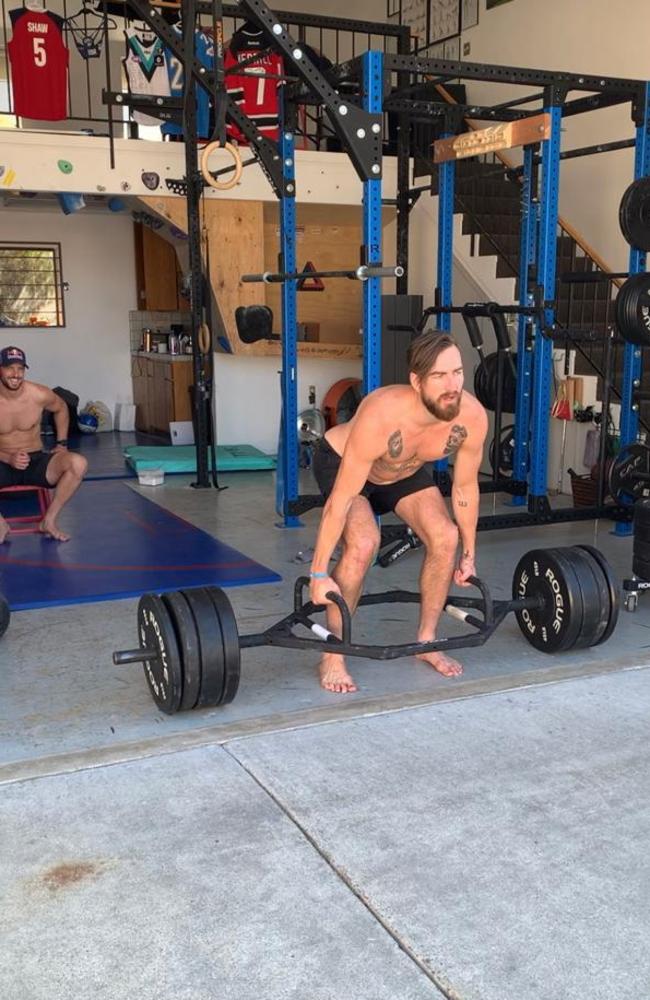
(373, 464)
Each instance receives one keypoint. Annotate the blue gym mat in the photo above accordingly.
(122, 545)
(182, 458)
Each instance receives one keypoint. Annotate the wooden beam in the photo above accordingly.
(489, 140)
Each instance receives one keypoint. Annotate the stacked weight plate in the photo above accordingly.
(195, 637)
(641, 544)
(578, 598)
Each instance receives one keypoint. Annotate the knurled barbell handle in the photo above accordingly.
(122, 656)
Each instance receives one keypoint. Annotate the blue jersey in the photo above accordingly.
(204, 52)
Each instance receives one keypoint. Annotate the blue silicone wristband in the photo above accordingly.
(319, 576)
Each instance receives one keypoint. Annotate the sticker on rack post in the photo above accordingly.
(150, 179)
(65, 166)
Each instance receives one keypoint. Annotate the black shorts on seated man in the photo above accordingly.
(23, 462)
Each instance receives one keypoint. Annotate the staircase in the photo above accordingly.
(488, 194)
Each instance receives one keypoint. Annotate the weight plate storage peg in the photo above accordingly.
(556, 622)
(634, 214)
(164, 671)
(633, 310)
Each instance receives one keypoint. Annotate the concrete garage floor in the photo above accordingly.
(483, 839)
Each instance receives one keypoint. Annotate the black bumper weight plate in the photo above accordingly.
(556, 624)
(595, 597)
(633, 310)
(231, 647)
(640, 568)
(624, 487)
(164, 673)
(209, 632)
(506, 451)
(634, 214)
(641, 549)
(612, 586)
(642, 513)
(188, 642)
(5, 615)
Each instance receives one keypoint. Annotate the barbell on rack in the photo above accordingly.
(362, 273)
(191, 648)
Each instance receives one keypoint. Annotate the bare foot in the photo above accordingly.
(50, 528)
(4, 530)
(443, 664)
(334, 675)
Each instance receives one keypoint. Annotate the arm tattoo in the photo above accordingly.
(395, 444)
(457, 435)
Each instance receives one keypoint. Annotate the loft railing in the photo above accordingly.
(336, 39)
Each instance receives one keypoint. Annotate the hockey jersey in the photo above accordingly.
(204, 51)
(146, 69)
(253, 91)
(39, 65)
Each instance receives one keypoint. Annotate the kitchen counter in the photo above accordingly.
(165, 356)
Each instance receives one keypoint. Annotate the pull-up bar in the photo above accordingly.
(362, 273)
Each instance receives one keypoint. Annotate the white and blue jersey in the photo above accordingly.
(204, 51)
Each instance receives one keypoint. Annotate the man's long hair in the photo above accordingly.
(424, 350)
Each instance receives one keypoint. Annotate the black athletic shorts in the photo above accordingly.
(33, 475)
(382, 499)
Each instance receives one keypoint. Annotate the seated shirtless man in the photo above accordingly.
(373, 465)
(22, 460)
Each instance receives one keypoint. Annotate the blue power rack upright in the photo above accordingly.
(528, 231)
(637, 262)
(543, 348)
(446, 186)
(287, 463)
(445, 272)
(373, 93)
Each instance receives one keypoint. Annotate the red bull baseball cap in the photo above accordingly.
(12, 356)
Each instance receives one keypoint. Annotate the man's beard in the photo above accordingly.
(443, 410)
(12, 387)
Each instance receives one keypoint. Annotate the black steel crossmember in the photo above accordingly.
(267, 151)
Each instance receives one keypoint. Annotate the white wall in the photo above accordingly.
(247, 396)
(579, 36)
(90, 355)
(363, 10)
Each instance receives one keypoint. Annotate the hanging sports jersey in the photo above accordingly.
(39, 65)
(146, 69)
(204, 51)
(256, 95)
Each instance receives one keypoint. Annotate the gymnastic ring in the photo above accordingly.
(204, 338)
(207, 176)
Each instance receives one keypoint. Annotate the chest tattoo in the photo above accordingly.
(395, 444)
(457, 435)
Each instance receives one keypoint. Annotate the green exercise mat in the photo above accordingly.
(182, 458)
